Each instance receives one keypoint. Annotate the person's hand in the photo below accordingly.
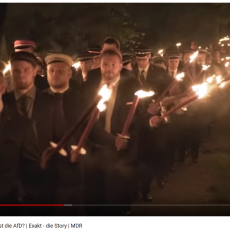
(155, 121)
(153, 108)
(121, 143)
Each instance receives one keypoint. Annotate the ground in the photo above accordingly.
(196, 189)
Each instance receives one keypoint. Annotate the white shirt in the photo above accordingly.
(146, 71)
(170, 72)
(58, 91)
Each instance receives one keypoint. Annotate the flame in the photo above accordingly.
(205, 67)
(210, 79)
(201, 90)
(199, 47)
(224, 39)
(76, 65)
(8, 67)
(206, 48)
(180, 76)
(160, 52)
(105, 92)
(228, 44)
(222, 59)
(178, 44)
(227, 58)
(218, 79)
(222, 45)
(142, 94)
(226, 64)
(193, 57)
(222, 84)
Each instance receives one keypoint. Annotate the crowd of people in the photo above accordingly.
(41, 100)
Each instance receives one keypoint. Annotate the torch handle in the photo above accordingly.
(158, 100)
(130, 116)
(85, 134)
(182, 104)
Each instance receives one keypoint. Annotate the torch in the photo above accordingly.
(7, 68)
(178, 45)
(76, 65)
(178, 77)
(59, 146)
(200, 90)
(106, 93)
(161, 52)
(139, 94)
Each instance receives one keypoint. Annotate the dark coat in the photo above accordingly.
(13, 129)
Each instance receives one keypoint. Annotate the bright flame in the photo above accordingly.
(142, 94)
(205, 67)
(228, 44)
(224, 39)
(218, 79)
(193, 57)
(76, 65)
(8, 67)
(222, 45)
(180, 76)
(199, 47)
(226, 64)
(201, 90)
(227, 58)
(222, 59)
(206, 48)
(210, 79)
(105, 92)
(160, 52)
(178, 44)
(222, 84)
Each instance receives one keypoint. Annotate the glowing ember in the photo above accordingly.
(226, 64)
(76, 65)
(222, 84)
(142, 94)
(180, 76)
(210, 79)
(178, 44)
(205, 67)
(8, 67)
(201, 90)
(193, 57)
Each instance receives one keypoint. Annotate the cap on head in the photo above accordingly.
(112, 52)
(96, 50)
(24, 56)
(110, 41)
(21, 45)
(58, 57)
(173, 55)
(127, 58)
(142, 51)
(86, 56)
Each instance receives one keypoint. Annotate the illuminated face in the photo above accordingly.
(201, 57)
(173, 63)
(143, 62)
(193, 46)
(186, 57)
(86, 66)
(217, 55)
(23, 74)
(96, 62)
(110, 68)
(58, 75)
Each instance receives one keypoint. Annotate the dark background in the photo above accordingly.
(72, 27)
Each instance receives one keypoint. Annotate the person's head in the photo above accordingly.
(59, 70)
(194, 46)
(143, 56)
(23, 70)
(186, 56)
(111, 65)
(24, 45)
(216, 55)
(173, 60)
(86, 65)
(202, 56)
(110, 43)
(2, 83)
(96, 52)
(161, 63)
(127, 61)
